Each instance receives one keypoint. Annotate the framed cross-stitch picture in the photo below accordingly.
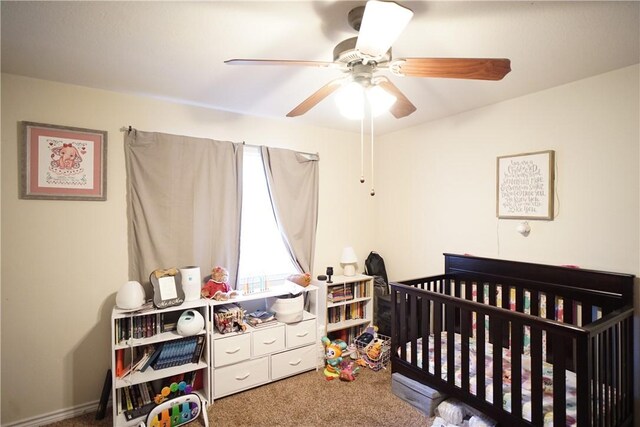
(525, 186)
(62, 162)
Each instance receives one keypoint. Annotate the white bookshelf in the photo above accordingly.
(350, 311)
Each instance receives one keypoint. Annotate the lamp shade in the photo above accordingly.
(348, 256)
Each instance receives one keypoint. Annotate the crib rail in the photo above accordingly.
(574, 330)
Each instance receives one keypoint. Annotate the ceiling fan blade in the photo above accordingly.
(402, 107)
(454, 68)
(316, 97)
(281, 62)
(381, 25)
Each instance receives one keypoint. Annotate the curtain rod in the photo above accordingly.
(312, 156)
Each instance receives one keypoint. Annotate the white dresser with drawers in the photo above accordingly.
(259, 355)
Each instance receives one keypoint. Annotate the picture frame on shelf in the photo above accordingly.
(62, 162)
(525, 185)
(167, 289)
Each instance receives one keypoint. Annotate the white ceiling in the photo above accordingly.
(175, 50)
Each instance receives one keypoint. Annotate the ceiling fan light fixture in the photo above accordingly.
(350, 101)
(380, 100)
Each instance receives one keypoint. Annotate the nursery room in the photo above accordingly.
(311, 212)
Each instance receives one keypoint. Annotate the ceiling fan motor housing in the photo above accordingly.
(345, 52)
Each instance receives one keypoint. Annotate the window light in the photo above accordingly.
(262, 250)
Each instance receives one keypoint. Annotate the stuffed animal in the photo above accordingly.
(348, 371)
(303, 280)
(333, 356)
(218, 287)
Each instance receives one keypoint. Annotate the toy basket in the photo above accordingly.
(376, 354)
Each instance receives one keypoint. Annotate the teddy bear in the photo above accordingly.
(218, 287)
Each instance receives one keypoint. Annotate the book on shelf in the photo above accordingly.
(136, 400)
(138, 360)
(152, 357)
(136, 327)
(179, 352)
(340, 293)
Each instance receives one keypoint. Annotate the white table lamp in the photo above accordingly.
(349, 261)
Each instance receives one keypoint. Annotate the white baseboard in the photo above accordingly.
(59, 415)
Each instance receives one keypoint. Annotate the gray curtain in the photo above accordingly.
(292, 180)
(183, 203)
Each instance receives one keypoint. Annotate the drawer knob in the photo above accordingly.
(303, 334)
(269, 342)
(232, 351)
(296, 363)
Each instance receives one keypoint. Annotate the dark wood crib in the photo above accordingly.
(544, 327)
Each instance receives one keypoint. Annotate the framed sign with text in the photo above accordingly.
(524, 186)
(62, 162)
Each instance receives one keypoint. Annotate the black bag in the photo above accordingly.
(374, 266)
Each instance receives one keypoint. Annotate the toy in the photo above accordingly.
(333, 356)
(348, 371)
(218, 287)
(303, 280)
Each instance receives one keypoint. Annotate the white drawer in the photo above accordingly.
(293, 361)
(301, 333)
(268, 340)
(241, 376)
(231, 350)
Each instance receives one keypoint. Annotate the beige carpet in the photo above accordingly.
(305, 400)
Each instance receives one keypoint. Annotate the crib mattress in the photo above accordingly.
(547, 377)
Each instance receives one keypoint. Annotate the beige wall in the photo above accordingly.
(63, 261)
(437, 182)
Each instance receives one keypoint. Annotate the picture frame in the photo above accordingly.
(62, 162)
(525, 185)
(167, 289)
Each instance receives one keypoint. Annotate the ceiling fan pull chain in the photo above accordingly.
(373, 192)
(362, 149)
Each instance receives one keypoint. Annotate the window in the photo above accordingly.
(262, 250)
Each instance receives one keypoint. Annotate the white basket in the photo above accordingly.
(376, 354)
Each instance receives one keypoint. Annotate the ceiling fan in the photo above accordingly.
(379, 24)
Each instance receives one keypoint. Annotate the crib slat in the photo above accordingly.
(600, 383)
(464, 348)
(426, 319)
(625, 387)
(402, 303)
(495, 330)
(413, 326)
(480, 357)
(616, 369)
(568, 308)
(559, 380)
(451, 343)
(606, 380)
(583, 373)
(520, 299)
(587, 312)
(595, 381)
(516, 368)
(536, 376)
(534, 300)
(437, 342)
